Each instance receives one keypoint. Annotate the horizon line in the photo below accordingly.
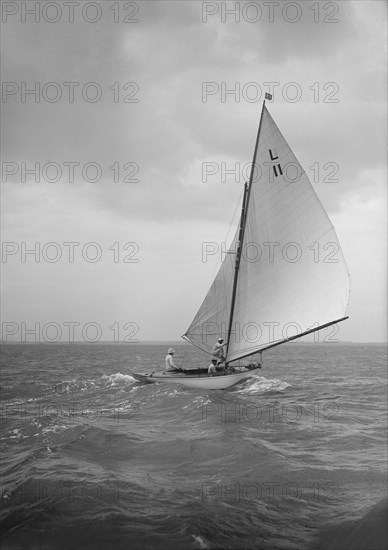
(176, 342)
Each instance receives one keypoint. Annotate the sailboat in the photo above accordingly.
(284, 275)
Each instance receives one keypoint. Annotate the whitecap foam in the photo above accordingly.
(200, 541)
(17, 434)
(263, 385)
(199, 402)
(118, 379)
(57, 429)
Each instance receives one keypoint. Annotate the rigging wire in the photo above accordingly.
(232, 224)
(184, 356)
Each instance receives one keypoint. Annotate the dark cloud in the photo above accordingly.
(172, 129)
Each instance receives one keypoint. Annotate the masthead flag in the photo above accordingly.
(268, 96)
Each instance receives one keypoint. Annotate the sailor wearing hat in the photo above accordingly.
(218, 353)
(170, 366)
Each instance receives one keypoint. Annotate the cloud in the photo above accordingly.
(168, 129)
(361, 227)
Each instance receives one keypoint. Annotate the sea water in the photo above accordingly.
(292, 458)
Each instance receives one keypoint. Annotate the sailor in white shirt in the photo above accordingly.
(212, 367)
(170, 366)
(218, 352)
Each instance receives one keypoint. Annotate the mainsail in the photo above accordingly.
(292, 277)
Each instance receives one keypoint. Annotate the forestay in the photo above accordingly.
(211, 321)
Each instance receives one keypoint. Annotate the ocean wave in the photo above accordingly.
(118, 379)
(93, 459)
(263, 385)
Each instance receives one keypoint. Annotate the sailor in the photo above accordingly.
(218, 353)
(170, 366)
(212, 367)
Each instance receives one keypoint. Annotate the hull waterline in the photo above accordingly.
(206, 382)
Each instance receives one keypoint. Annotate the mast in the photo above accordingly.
(244, 210)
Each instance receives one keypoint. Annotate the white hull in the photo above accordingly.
(201, 381)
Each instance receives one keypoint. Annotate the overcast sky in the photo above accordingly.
(159, 119)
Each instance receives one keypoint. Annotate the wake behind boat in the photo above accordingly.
(255, 301)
